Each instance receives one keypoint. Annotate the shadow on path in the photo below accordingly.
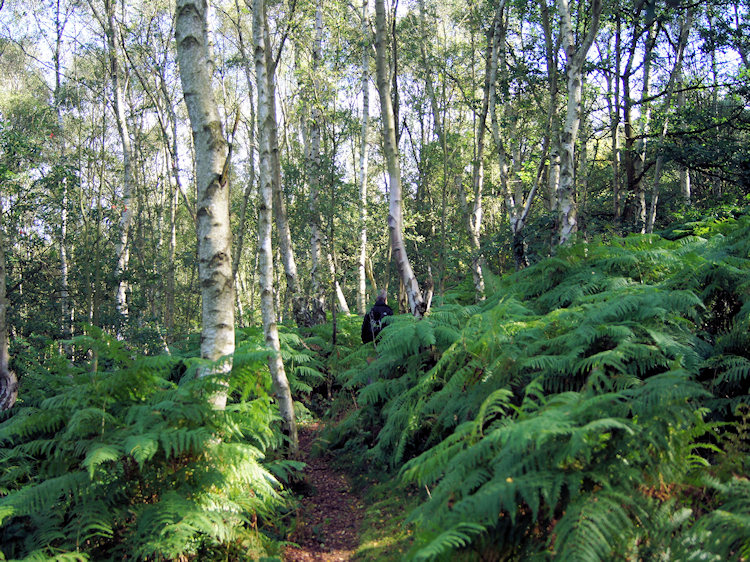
(329, 515)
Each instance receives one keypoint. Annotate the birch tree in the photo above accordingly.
(363, 165)
(517, 202)
(417, 304)
(265, 211)
(286, 249)
(62, 14)
(211, 176)
(314, 173)
(111, 32)
(576, 57)
(684, 31)
(551, 46)
(8, 380)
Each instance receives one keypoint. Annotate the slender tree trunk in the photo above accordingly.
(516, 205)
(122, 249)
(169, 308)
(212, 166)
(417, 304)
(249, 188)
(265, 173)
(363, 162)
(477, 175)
(552, 45)
(314, 173)
(66, 311)
(685, 26)
(615, 124)
(299, 307)
(8, 380)
(639, 164)
(685, 188)
(576, 56)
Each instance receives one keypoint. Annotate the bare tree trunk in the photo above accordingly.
(613, 103)
(639, 164)
(685, 188)
(314, 173)
(66, 311)
(363, 161)
(299, 307)
(169, 308)
(122, 249)
(212, 166)
(669, 92)
(251, 149)
(8, 380)
(576, 56)
(265, 173)
(552, 45)
(417, 304)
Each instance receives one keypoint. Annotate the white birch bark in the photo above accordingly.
(551, 47)
(363, 165)
(250, 186)
(299, 307)
(317, 260)
(340, 297)
(66, 311)
(8, 380)
(417, 305)
(212, 209)
(576, 57)
(473, 215)
(639, 165)
(122, 248)
(685, 26)
(265, 250)
(685, 187)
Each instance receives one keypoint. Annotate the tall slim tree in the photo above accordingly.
(314, 174)
(8, 380)
(211, 176)
(576, 57)
(363, 164)
(265, 212)
(112, 35)
(682, 40)
(417, 304)
(283, 231)
(62, 13)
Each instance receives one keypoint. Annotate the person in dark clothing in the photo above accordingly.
(372, 324)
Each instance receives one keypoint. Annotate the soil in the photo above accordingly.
(329, 514)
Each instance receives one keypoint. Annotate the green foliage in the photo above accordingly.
(577, 413)
(132, 461)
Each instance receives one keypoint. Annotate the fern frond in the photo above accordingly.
(454, 538)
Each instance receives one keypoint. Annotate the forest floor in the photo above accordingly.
(330, 513)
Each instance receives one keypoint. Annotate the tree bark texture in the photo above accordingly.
(551, 46)
(66, 311)
(122, 248)
(363, 162)
(299, 306)
(8, 380)
(417, 304)
(265, 250)
(212, 209)
(685, 26)
(576, 57)
(314, 173)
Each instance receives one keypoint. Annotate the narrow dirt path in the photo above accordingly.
(330, 514)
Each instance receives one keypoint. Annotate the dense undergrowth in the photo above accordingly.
(124, 458)
(593, 408)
